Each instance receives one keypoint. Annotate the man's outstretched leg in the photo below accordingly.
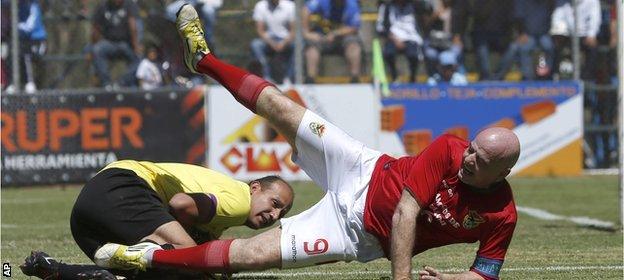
(220, 256)
(253, 92)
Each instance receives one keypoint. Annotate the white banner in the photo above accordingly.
(243, 146)
(542, 139)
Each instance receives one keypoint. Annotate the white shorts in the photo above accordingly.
(333, 229)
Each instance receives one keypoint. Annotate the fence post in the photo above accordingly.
(620, 78)
(15, 51)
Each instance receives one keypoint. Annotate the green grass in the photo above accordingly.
(37, 218)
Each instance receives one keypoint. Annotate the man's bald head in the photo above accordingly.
(501, 144)
(490, 157)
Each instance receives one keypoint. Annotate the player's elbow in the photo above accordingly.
(404, 216)
(402, 213)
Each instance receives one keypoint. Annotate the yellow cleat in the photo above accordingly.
(190, 29)
(118, 256)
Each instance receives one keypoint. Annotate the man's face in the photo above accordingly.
(478, 169)
(447, 71)
(268, 205)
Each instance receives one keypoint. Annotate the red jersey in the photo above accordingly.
(451, 211)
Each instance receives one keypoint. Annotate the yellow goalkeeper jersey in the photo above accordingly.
(167, 179)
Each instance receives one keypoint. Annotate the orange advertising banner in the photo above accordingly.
(66, 138)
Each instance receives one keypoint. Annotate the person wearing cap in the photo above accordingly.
(447, 71)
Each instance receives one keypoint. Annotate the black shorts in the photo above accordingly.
(116, 206)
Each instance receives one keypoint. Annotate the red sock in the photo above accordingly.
(245, 87)
(211, 256)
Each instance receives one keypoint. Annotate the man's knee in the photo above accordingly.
(257, 45)
(171, 233)
(248, 254)
(389, 50)
(99, 49)
(278, 102)
(313, 51)
(353, 48)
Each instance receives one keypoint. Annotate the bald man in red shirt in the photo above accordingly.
(375, 205)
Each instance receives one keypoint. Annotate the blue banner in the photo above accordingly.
(476, 106)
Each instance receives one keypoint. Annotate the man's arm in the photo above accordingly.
(134, 36)
(261, 30)
(291, 33)
(192, 208)
(345, 30)
(430, 273)
(305, 26)
(459, 21)
(96, 33)
(403, 235)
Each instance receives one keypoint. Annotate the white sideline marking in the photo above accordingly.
(388, 272)
(34, 226)
(25, 200)
(584, 221)
(607, 171)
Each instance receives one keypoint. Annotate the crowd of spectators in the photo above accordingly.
(447, 39)
(442, 41)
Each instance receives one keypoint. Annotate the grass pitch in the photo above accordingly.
(38, 218)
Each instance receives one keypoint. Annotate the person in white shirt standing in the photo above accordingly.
(148, 73)
(397, 23)
(588, 26)
(276, 31)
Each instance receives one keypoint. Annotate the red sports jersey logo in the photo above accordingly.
(473, 220)
(320, 246)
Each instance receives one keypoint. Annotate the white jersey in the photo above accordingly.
(277, 20)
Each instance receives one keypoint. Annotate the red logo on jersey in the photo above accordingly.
(320, 246)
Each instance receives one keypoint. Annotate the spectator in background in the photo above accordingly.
(207, 12)
(613, 41)
(396, 22)
(588, 12)
(276, 30)
(532, 23)
(68, 24)
(491, 23)
(115, 36)
(32, 44)
(439, 37)
(337, 31)
(447, 71)
(149, 74)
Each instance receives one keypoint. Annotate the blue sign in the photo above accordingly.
(475, 106)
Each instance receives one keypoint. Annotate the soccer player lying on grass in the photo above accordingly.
(132, 201)
(375, 205)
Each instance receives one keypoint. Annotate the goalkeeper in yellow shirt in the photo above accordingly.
(172, 204)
